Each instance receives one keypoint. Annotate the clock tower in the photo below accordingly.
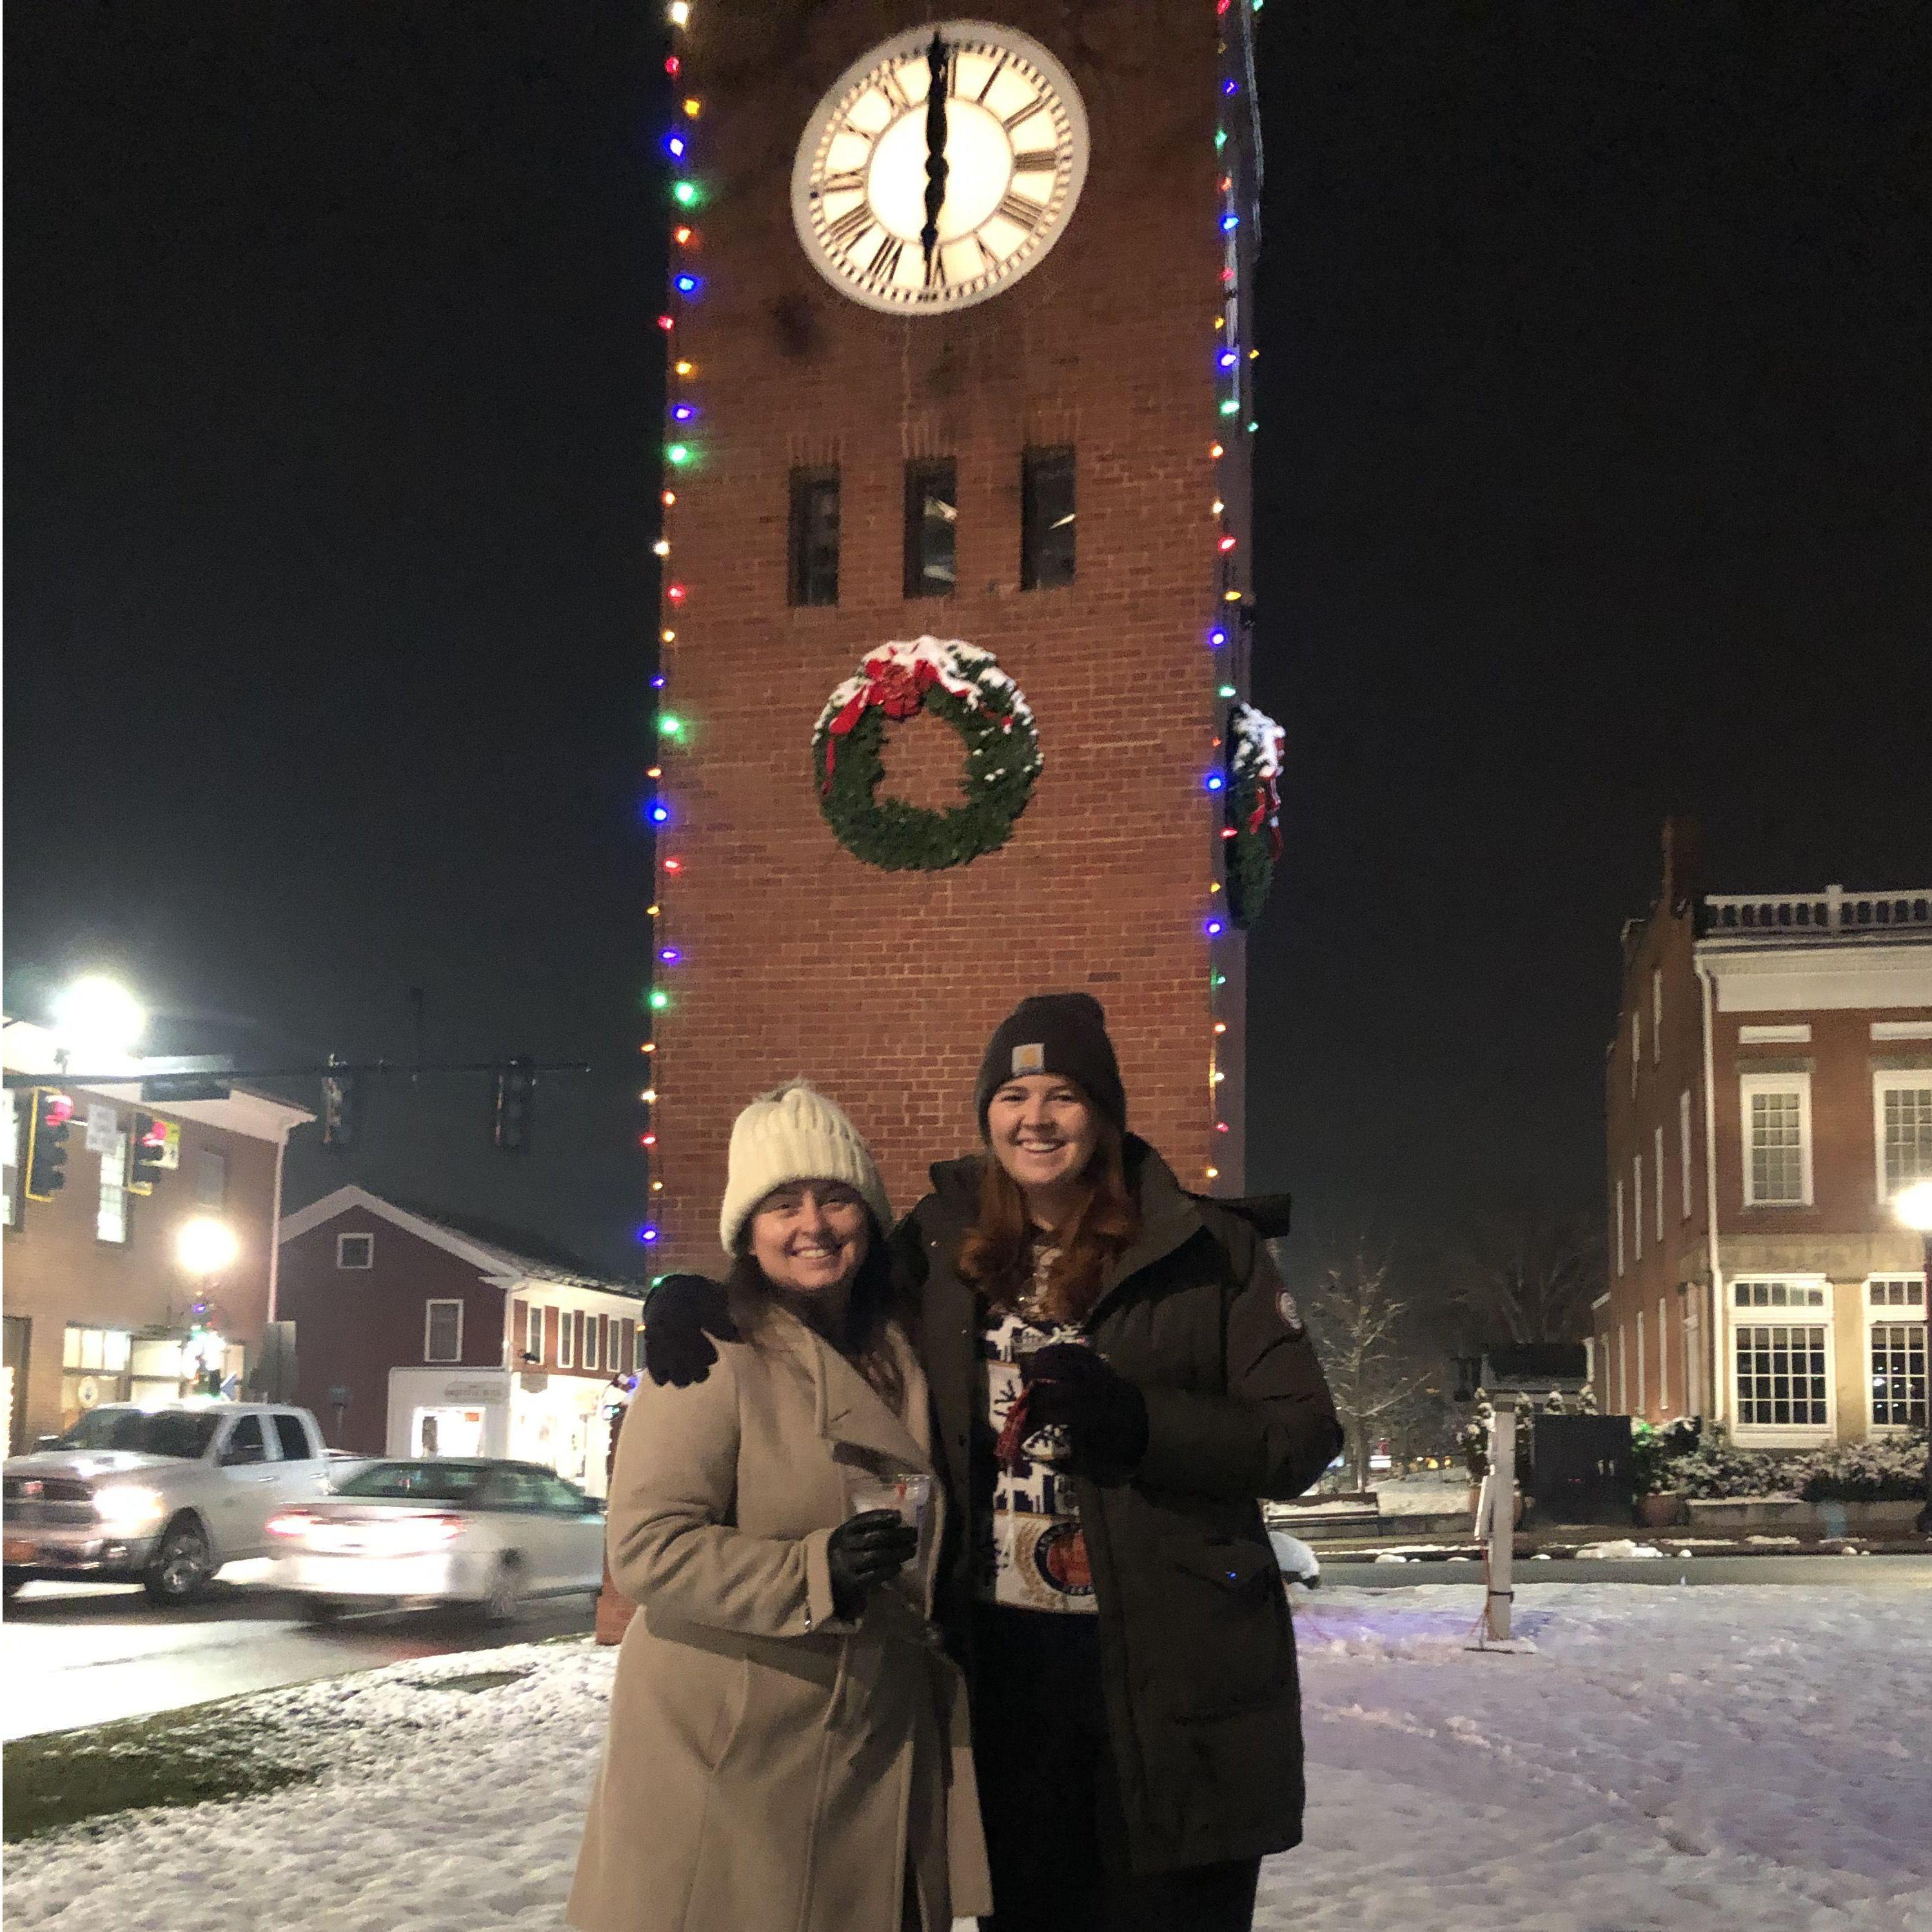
(954, 619)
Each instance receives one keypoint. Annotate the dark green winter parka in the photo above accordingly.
(1197, 1650)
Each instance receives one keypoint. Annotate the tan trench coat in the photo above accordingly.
(770, 1769)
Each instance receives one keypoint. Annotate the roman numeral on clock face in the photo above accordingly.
(1022, 213)
(884, 266)
(849, 226)
(896, 96)
(935, 270)
(849, 180)
(1036, 161)
(1021, 116)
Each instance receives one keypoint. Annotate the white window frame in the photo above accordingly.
(342, 1252)
(1783, 1435)
(1683, 1152)
(1635, 1046)
(566, 1338)
(1663, 1354)
(593, 1340)
(1900, 1315)
(1636, 1206)
(1623, 1369)
(1914, 1080)
(1657, 1015)
(533, 1342)
(1657, 1139)
(430, 1307)
(1642, 1405)
(1620, 1224)
(11, 1115)
(1749, 1086)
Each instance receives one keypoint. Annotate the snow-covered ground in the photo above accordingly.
(1666, 1758)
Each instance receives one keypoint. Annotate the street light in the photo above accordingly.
(1913, 1207)
(97, 1021)
(204, 1246)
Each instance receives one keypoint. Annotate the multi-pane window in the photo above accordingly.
(1782, 1366)
(813, 566)
(1683, 1146)
(593, 1334)
(442, 1331)
(1904, 1124)
(1777, 1139)
(1777, 1295)
(1782, 1375)
(355, 1251)
(1046, 519)
(1895, 1319)
(110, 1215)
(566, 1331)
(533, 1332)
(931, 521)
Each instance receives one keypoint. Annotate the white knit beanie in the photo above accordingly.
(794, 1133)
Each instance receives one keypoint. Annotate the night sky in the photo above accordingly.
(1594, 485)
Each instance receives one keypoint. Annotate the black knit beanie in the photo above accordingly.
(1064, 1034)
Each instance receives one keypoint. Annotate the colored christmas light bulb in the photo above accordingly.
(1229, 406)
(1213, 928)
(1213, 781)
(1226, 691)
(660, 999)
(674, 146)
(685, 194)
(670, 954)
(671, 725)
(687, 285)
(660, 548)
(692, 106)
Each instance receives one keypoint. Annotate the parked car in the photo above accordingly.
(444, 1530)
(164, 1495)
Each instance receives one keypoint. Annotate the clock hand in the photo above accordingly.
(936, 66)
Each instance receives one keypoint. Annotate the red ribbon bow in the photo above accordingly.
(897, 688)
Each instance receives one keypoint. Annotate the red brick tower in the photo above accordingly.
(979, 375)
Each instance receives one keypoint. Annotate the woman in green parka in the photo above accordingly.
(1117, 1378)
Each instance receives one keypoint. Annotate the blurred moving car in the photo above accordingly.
(449, 1530)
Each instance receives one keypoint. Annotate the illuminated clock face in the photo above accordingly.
(941, 166)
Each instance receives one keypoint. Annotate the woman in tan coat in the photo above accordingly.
(788, 1748)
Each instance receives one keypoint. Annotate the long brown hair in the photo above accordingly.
(996, 1256)
(873, 1302)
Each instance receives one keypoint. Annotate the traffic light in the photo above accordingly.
(156, 1148)
(516, 1086)
(338, 1108)
(47, 1154)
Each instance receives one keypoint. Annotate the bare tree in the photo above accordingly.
(1372, 1348)
(1531, 1280)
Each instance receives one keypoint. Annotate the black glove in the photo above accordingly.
(1105, 1416)
(683, 1313)
(862, 1551)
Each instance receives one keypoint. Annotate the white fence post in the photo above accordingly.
(1502, 1525)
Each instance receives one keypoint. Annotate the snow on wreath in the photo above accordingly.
(960, 683)
(1251, 829)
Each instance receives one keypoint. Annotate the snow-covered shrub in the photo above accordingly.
(1717, 1467)
(1883, 1469)
(1655, 1454)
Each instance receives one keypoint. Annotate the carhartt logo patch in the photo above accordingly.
(1291, 1315)
(1030, 1059)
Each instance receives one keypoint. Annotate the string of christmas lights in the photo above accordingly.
(683, 410)
(1238, 155)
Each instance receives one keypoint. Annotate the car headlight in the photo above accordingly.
(129, 1506)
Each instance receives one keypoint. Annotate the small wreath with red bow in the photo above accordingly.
(1251, 832)
(960, 683)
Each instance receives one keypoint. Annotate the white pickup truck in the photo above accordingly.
(163, 1496)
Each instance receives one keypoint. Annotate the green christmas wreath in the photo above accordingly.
(1251, 835)
(960, 683)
